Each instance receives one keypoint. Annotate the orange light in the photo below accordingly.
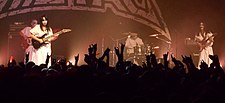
(69, 63)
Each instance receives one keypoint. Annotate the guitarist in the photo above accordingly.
(205, 41)
(39, 55)
(25, 33)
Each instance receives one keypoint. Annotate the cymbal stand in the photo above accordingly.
(168, 42)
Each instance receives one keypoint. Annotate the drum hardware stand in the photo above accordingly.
(168, 42)
(115, 44)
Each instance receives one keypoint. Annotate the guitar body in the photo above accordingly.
(36, 44)
(202, 46)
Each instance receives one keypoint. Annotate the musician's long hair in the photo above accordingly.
(41, 24)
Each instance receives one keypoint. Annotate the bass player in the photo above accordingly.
(205, 41)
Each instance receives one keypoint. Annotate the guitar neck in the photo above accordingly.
(50, 36)
(56, 34)
(204, 41)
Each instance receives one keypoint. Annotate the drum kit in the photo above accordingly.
(145, 50)
(140, 52)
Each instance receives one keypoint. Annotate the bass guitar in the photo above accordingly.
(36, 44)
(205, 43)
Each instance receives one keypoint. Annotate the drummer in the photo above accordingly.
(133, 41)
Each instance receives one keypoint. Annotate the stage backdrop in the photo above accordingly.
(105, 22)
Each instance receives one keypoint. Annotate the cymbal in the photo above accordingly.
(156, 47)
(128, 33)
(154, 35)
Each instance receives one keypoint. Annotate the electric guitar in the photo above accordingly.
(204, 43)
(36, 44)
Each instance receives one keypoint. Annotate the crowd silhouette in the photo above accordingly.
(126, 82)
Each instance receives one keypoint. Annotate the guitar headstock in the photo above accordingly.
(66, 30)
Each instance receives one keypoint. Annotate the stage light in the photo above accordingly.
(69, 63)
(11, 59)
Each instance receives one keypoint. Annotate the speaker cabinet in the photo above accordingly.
(16, 46)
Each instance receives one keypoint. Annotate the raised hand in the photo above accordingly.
(203, 65)
(165, 58)
(47, 59)
(106, 53)
(190, 64)
(173, 58)
(90, 49)
(87, 58)
(122, 50)
(122, 47)
(176, 62)
(90, 58)
(27, 57)
(187, 60)
(119, 54)
(95, 49)
(76, 59)
(215, 65)
(215, 60)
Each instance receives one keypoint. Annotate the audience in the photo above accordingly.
(127, 82)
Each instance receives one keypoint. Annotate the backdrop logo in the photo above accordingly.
(142, 11)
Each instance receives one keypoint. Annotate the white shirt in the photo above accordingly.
(26, 34)
(131, 43)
